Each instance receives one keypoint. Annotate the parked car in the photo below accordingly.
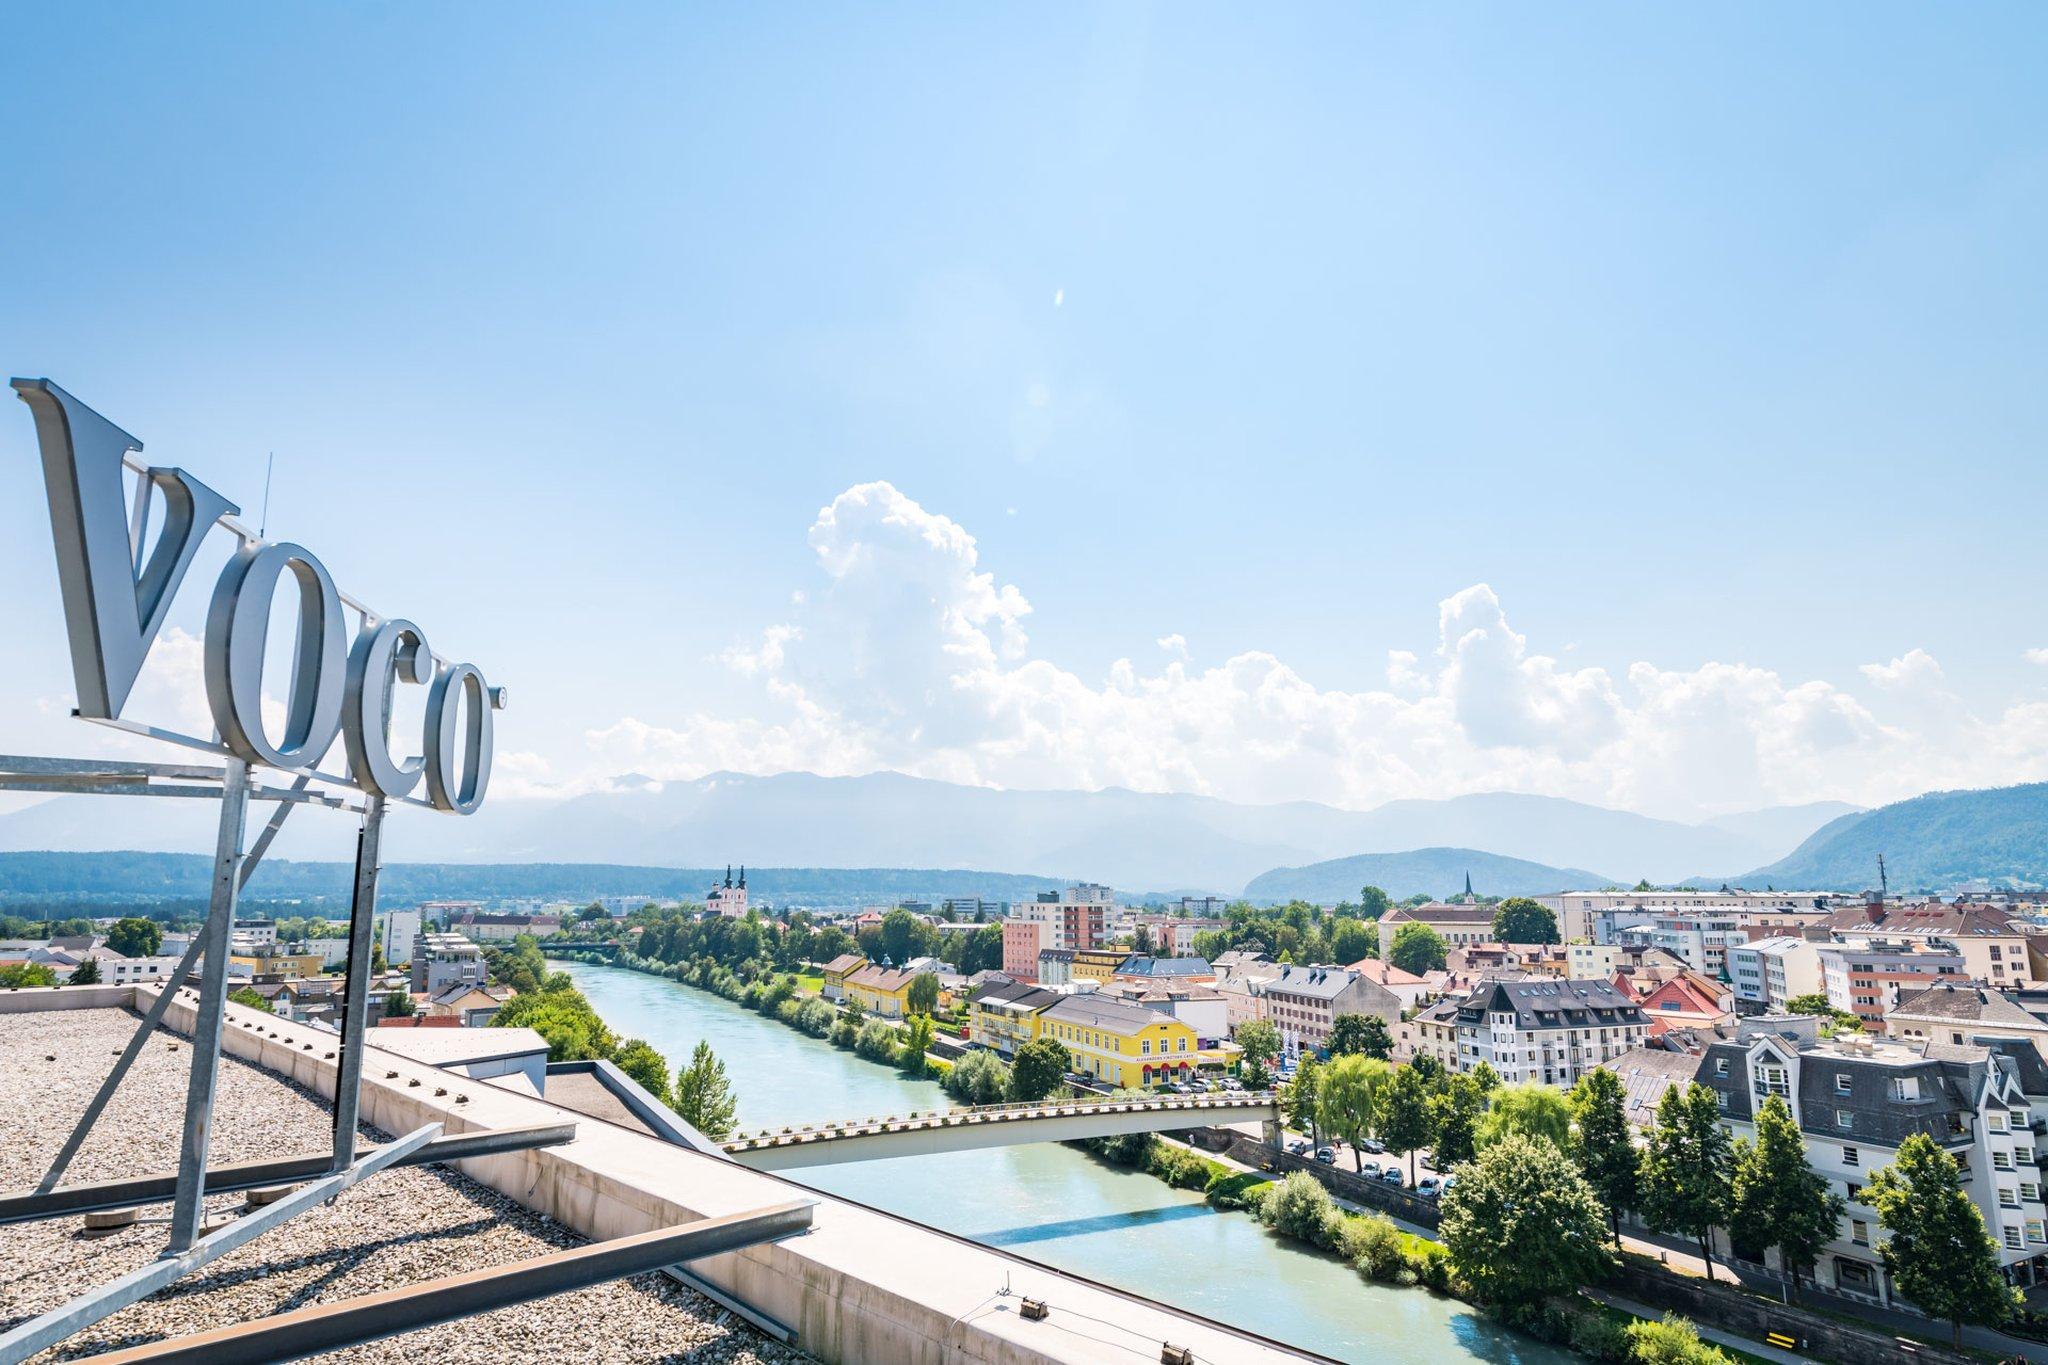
(1427, 1187)
(1231, 1083)
(1326, 1155)
(1373, 1146)
(1447, 1183)
(1298, 1147)
(1392, 1175)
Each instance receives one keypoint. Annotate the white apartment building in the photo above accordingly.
(401, 927)
(1857, 1100)
(1700, 941)
(1304, 1002)
(1591, 915)
(1544, 1030)
(1767, 973)
(1867, 976)
(123, 971)
(1992, 944)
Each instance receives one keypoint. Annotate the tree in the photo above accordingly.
(1672, 1341)
(904, 936)
(978, 1078)
(1353, 940)
(1040, 1069)
(1522, 1225)
(1141, 942)
(1485, 1077)
(917, 1041)
(1528, 1110)
(703, 1096)
(26, 974)
(1685, 1170)
(1456, 1109)
(1298, 1099)
(1416, 949)
(1819, 1004)
(1521, 920)
(648, 1068)
(86, 973)
(243, 995)
(1937, 1248)
(1261, 1043)
(1405, 1115)
(1372, 902)
(135, 938)
(922, 995)
(1348, 1102)
(399, 1005)
(1365, 1034)
(1601, 1143)
(1776, 1200)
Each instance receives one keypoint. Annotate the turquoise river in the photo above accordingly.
(1053, 1204)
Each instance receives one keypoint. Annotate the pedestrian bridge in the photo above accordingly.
(995, 1125)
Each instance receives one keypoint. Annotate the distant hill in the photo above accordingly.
(1942, 841)
(83, 878)
(1423, 871)
(1128, 839)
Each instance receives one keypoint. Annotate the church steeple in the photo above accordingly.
(728, 874)
(743, 876)
(1468, 886)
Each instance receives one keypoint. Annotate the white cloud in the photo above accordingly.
(2036, 656)
(909, 655)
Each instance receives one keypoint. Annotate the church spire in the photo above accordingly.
(743, 876)
(1468, 886)
(728, 874)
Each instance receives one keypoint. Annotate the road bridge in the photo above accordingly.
(995, 1125)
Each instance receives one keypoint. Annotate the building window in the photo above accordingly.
(2008, 1200)
(1844, 1082)
(2012, 1238)
(1845, 1118)
(2030, 1192)
(2034, 1231)
(1995, 1122)
(1859, 1232)
(1851, 1157)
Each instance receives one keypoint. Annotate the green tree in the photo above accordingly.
(1040, 1069)
(1353, 940)
(1937, 1247)
(904, 936)
(1527, 1110)
(1485, 1077)
(1365, 1034)
(1521, 920)
(1672, 1341)
(876, 1041)
(1776, 1200)
(86, 973)
(703, 1096)
(399, 1005)
(243, 995)
(26, 974)
(917, 1041)
(922, 996)
(135, 938)
(1298, 1099)
(1602, 1144)
(1348, 1100)
(648, 1068)
(1456, 1109)
(1405, 1115)
(1417, 948)
(1818, 1004)
(1261, 1043)
(980, 1077)
(1299, 1207)
(1686, 1168)
(1522, 1224)
(1372, 902)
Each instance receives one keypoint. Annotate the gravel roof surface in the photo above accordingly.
(398, 1227)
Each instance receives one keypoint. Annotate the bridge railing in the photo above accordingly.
(995, 1113)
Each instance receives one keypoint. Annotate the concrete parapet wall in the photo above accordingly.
(860, 1286)
(35, 999)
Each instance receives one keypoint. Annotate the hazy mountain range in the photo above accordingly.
(1128, 839)
(1422, 871)
(1937, 842)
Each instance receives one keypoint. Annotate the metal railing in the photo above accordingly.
(996, 1113)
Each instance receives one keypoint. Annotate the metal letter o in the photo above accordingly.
(389, 648)
(451, 688)
(237, 624)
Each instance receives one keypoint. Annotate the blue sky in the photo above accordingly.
(1703, 339)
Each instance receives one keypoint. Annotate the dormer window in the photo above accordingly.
(1844, 1082)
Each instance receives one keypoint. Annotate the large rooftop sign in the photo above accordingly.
(116, 601)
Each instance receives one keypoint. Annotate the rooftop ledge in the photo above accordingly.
(861, 1285)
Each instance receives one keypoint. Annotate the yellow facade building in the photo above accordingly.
(883, 991)
(1125, 1046)
(1098, 964)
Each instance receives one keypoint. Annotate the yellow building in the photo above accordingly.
(836, 971)
(1098, 964)
(1004, 1015)
(282, 964)
(883, 991)
(1126, 1046)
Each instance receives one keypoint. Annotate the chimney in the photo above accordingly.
(1873, 906)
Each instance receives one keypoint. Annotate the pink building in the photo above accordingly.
(1022, 940)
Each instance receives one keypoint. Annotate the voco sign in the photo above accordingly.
(115, 602)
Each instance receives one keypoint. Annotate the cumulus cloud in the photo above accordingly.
(908, 654)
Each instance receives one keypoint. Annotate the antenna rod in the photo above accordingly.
(263, 526)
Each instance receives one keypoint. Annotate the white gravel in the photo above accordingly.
(398, 1227)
